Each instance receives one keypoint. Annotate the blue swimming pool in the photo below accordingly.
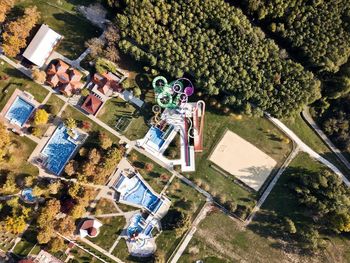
(27, 195)
(20, 111)
(156, 137)
(141, 195)
(58, 150)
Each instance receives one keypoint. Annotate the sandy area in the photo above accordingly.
(243, 160)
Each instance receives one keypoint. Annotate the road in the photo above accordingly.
(307, 117)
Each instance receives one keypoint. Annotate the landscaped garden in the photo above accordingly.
(27, 242)
(73, 26)
(155, 175)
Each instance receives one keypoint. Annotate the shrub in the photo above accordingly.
(41, 117)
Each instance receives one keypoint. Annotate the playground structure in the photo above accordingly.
(174, 114)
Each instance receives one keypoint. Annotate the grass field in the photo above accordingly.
(27, 242)
(105, 206)
(20, 150)
(258, 131)
(155, 177)
(187, 200)
(109, 231)
(17, 80)
(73, 26)
(307, 135)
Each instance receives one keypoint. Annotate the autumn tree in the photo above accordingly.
(5, 7)
(70, 123)
(16, 32)
(39, 75)
(41, 117)
(56, 244)
(4, 141)
(66, 226)
(15, 225)
(105, 140)
(49, 212)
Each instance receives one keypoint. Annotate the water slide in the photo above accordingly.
(198, 126)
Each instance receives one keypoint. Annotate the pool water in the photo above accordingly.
(58, 150)
(141, 195)
(20, 111)
(28, 195)
(156, 137)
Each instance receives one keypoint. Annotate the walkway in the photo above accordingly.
(186, 240)
(307, 149)
(307, 117)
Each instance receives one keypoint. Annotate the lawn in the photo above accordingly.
(17, 80)
(6, 239)
(109, 232)
(258, 131)
(20, 150)
(116, 108)
(307, 135)
(73, 26)
(54, 104)
(27, 242)
(121, 251)
(186, 200)
(71, 112)
(157, 177)
(105, 206)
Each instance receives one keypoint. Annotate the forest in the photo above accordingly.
(214, 44)
(316, 32)
(335, 121)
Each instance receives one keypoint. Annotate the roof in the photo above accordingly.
(90, 227)
(91, 104)
(45, 257)
(42, 45)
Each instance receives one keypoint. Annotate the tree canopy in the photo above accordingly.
(215, 44)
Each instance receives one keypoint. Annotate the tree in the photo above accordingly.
(4, 141)
(5, 7)
(54, 187)
(149, 167)
(16, 32)
(48, 212)
(39, 75)
(15, 224)
(41, 117)
(66, 226)
(45, 234)
(84, 92)
(70, 123)
(137, 92)
(70, 168)
(105, 140)
(56, 245)
(96, 46)
(78, 211)
(289, 226)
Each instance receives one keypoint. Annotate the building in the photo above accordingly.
(106, 85)
(90, 227)
(92, 104)
(67, 80)
(42, 45)
(45, 257)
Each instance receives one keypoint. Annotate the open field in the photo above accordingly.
(257, 131)
(17, 80)
(27, 242)
(105, 206)
(74, 27)
(243, 160)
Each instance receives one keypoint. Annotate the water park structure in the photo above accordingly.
(174, 114)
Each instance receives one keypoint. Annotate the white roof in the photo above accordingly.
(42, 45)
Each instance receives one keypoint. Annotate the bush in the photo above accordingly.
(103, 65)
(41, 117)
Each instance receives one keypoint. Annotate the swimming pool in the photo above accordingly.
(156, 137)
(19, 112)
(58, 150)
(27, 195)
(136, 192)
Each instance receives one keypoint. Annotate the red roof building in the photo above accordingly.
(66, 79)
(106, 84)
(90, 227)
(92, 104)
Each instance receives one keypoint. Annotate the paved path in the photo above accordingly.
(202, 214)
(307, 149)
(307, 116)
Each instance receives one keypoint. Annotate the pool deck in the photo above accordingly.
(26, 97)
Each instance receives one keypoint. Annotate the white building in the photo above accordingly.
(42, 45)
